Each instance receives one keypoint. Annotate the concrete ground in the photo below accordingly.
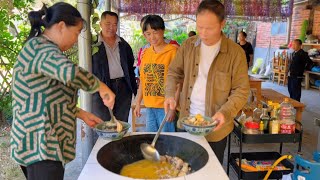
(310, 98)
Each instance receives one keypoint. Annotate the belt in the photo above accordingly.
(117, 80)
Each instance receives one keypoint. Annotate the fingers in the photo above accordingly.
(98, 120)
(137, 112)
(169, 103)
(218, 126)
(108, 100)
(166, 106)
(171, 115)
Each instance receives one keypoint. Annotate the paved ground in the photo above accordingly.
(309, 144)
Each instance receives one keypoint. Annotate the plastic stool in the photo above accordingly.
(310, 170)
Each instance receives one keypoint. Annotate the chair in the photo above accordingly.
(280, 68)
(275, 67)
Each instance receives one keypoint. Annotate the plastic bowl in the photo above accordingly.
(198, 130)
(112, 135)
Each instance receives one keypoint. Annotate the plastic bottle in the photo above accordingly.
(257, 113)
(286, 115)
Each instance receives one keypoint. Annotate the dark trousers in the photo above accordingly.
(44, 170)
(294, 87)
(218, 148)
(123, 99)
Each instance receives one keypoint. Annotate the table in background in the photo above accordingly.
(256, 84)
(274, 96)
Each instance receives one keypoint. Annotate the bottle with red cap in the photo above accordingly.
(251, 127)
(286, 115)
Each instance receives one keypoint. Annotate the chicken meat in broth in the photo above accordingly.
(167, 167)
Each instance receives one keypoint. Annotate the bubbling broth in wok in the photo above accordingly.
(167, 167)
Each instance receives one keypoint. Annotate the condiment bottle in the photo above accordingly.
(265, 118)
(274, 125)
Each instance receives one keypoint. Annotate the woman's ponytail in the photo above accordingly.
(37, 22)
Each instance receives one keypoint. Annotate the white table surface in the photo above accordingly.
(212, 170)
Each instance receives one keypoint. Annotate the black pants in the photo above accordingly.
(123, 99)
(294, 87)
(44, 170)
(218, 148)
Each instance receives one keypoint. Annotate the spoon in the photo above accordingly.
(149, 152)
(114, 120)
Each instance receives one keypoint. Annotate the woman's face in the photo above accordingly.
(69, 35)
(154, 37)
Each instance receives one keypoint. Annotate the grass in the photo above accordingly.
(9, 170)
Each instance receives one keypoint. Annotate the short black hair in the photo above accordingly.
(298, 41)
(155, 22)
(192, 33)
(144, 18)
(243, 33)
(110, 13)
(213, 6)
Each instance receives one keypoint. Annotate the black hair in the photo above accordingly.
(143, 19)
(298, 41)
(192, 33)
(46, 17)
(243, 33)
(155, 22)
(213, 6)
(110, 13)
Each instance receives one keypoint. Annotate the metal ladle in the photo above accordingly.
(149, 151)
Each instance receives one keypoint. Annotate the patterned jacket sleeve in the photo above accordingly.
(59, 67)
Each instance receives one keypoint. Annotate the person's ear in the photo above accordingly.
(223, 23)
(61, 26)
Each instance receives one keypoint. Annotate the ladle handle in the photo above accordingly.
(110, 110)
(160, 128)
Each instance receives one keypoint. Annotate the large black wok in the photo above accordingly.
(114, 155)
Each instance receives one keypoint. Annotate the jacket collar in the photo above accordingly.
(224, 41)
(100, 39)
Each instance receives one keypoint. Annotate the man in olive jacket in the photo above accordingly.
(113, 65)
(214, 73)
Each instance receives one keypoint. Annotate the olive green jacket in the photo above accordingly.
(227, 86)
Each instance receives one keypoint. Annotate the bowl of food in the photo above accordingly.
(108, 130)
(198, 125)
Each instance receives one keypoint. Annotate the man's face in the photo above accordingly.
(296, 46)
(241, 37)
(109, 26)
(209, 27)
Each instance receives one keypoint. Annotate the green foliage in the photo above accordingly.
(14, 30)
(6, 108)
(137, 40)
(303, 31)
(176, 34)
(234, 24)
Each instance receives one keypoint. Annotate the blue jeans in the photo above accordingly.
(154, 119)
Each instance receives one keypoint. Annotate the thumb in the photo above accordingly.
(98, 120)
(166, 106)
